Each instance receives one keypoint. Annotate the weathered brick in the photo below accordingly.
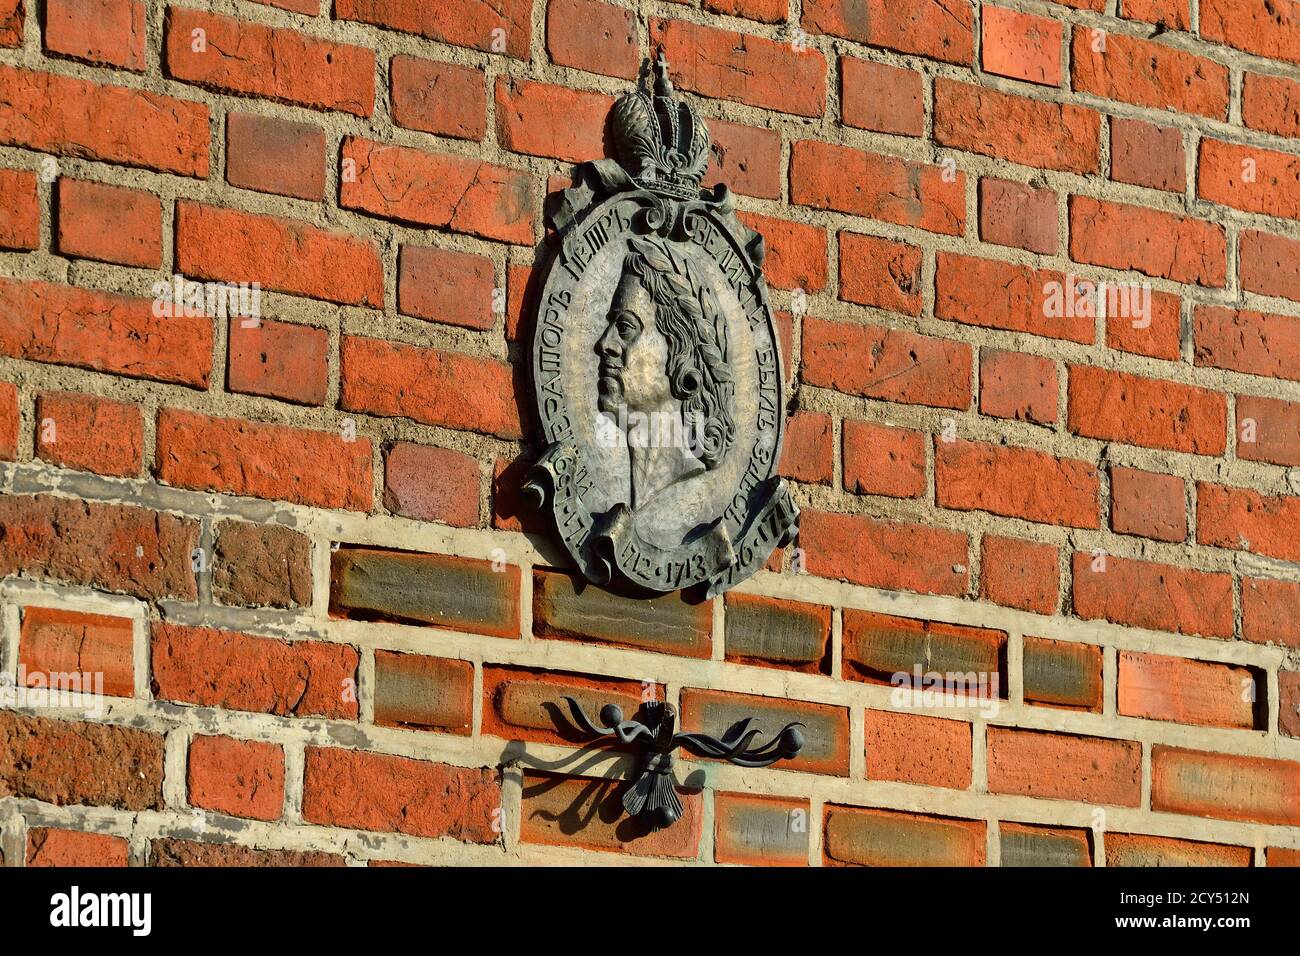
(1151, 505)
(760, 831)
(1020, 574)
(10, 420)
(563, 607)
(443, 590)
(826, 728)
(1148, 73)
(936, 29)
(1061, 674)
(861, 837)
(1148, 594)
(554, 121)
(796, 252)
(109, 223)
(111, 547)
(524, 704)
(878, 647)
(886, 363)
(1246, 341)
(1262, 27)
(884, 554)
(1021, 46)
(826, 176)
(12, 16)
(1133, 849)
(424, 693)
(880, 273)
(1288, 710)
(261, 565)
(911, 748)
(808, 452)
(882, 460)
(1271, 104)
(282, 360)
(110, 32)
(1064, 766)
(1147, 155)
(67, 762)
(1246, 520)
(1019, 386)
(173, 852)
(273, 155)
(64, 325)
(1188, 692)
(54, 641)
(446, 286)
(1149, 241)
(1269, 611)
(775, 633)
(592, 36)
(1155, 331)
(746, 158)
(1013, 214)
(1227, 786)
(1023, 845)
(1174, 14)
(89, 433)
(280, 64)
(1249, 178)
(431, 484)
(1117, 406)
(1270, 265)
(214, 668)
(440, 98)
(240, 457)
(881, 97)
(459, 22)
(20, 211)
(1004, 295)
(50, 847)
(1280, 856)
(244, 778)
(1268, 429)
(1016, 482)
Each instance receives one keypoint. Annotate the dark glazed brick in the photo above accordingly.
(1062, 674)
(826, 728)
(1044, 846)
(763, 630)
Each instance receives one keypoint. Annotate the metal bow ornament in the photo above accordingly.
(652, 795)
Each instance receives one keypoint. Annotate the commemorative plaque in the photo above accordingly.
(656, 366)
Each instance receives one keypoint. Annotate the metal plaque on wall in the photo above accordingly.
(656, 368)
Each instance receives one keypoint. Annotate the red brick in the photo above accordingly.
(278, 360)
(191, 853)
(1021, 46)
(1269, 610)
(369, 791)
(240, 457)
(1157, 596)
(1275, 430)
(861, 837)
(10, 417)
(276, 63)
(109, 223)
(1062, 674)
(1116, 406)
(20, 211)
(882, 648)
(1019, 386)
(523, 287)
(1245, 520)
(273, 155)
(109, 547)
(1148, 73)
(553, 121)
(1132, 849)
(880, 97)
(1288, 715)
(1272, 104)
(1173, 14)
(746, 158)
(826, 176)
(1019, 574)
(89, 433)
(424, 693)
(760, 831)
(1012, 214)
(826, 728)
(1246, 341)
(1156, 332)
(1149, 241)
(458, 22)
(261, 565)
(1147, 504)
(1280, 856)
(1004, 295)
(796, 252)
(446, 286)
(12, 15)
(742, 68)
(428, 189)
(524, 704)
(243, 778)
(768, 11)
(597, 37)
(306, 7)
(882, 460)
(886, 363)
(431, 484)
(213, 668)
(1227, 786)
(588, 813)
(808, 452)
(49, 847)
(1249, 178)
(1017, 483)
(98, 31)
(1187, 691)
(1270, 265)
(284, 255)
(441, 98)
(1064, 767)
(428, 385)
(71, 117)
(1262, 27)
(884, 554)
(66, 762)
(910, 748)
(936, 29)
(1015, 128)
(55, 641)
(770, 632)
(1147, 155)
(880, 273)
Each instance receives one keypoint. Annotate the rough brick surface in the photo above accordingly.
(89, 434)
(96, 646)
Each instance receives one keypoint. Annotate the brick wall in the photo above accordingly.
(294, 551)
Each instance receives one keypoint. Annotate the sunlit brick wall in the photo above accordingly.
(1037, 268)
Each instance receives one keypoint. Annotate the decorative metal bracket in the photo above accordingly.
(652, 795)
